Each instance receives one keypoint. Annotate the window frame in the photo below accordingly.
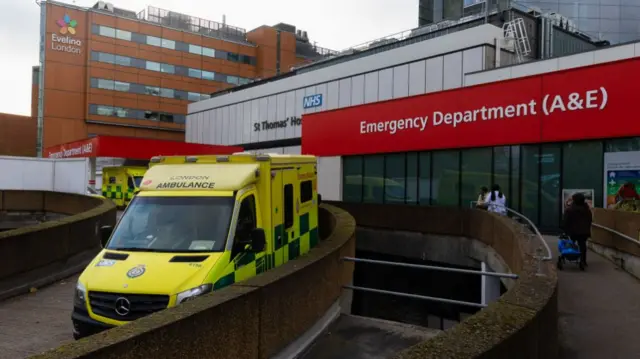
(288, 219)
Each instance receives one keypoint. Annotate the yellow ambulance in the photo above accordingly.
(120, 184)
(198, 223)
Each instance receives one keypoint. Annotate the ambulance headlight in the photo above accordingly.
(194, 292)
(80, 296)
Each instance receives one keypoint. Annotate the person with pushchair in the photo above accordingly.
(577, 224)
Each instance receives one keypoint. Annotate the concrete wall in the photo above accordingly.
(523, 323)
(33, 247)
(253, 319)
(69, 175)
(619, 250)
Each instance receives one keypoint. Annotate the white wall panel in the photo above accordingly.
(231, 129)
(255, 121)
(472, 60)
(281, 110)
(200, 134)
(272, 107)
(417, 77)
(218, 125)
(292, 150)
(357, 90)
(453, 71)
(263, 116)
(333, 95)
(290, 111)
(385, 84)
(330, 178)
(238, 124)
(401, 81)
(371, 87)
(484, 34)
(45, 174)
(298, 106)
(71, 175)
(247, 122)
(345, 93)
(322, 90)
(434, 74)
(207, 128)
(224, 131)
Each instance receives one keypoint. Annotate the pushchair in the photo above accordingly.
(568, 252)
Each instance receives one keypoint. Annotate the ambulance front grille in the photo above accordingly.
(126, 307)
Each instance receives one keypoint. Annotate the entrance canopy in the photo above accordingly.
(133, 148)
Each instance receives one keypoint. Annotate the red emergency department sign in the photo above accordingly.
(584, 103)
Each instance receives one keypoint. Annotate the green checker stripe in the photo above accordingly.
(227, 280)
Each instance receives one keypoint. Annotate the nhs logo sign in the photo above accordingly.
(312, 101)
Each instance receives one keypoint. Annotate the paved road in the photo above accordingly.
(599, 310)
(36, 322)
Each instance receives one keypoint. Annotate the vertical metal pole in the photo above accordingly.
(40, 118)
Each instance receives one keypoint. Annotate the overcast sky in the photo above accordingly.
(334, 24)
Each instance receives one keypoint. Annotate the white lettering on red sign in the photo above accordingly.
(592, 99)
(74, 151)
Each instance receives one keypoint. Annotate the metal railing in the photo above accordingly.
(611, 230)
(428, 267)
(528, 224)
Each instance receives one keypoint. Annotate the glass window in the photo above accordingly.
(412, 178)
(180, 95)
(137, 88)
(179, 118)
(181, 46)
(195, 49)
(168, 93)
(105, 84)
(154, 41)
(123, 60)
(151, 115)
(395, 178)
(95, 56)
(550, 191)
(515, 178)
(152, 90)
(246, 223)
(373, 179)
(476, 172)
(220, 77)
(232, 80)
(352, 179)
(244, 81)
(167, 68)
(107, 58)
(165, 117)
(622, 145)
(233, 57)
(153, 66)
(139, 38)
(168, 44)
(207, 75)
(306, 191)
(205, 96)
(195, 73)
(530, 175)
(193, 96)
(104, 110)
(424, 182)
(288, 206)
(123, 35)
(445, 178)
(182, 71)
(107, 31)
(208, 52)
(582, 167)
(502, 170)
(121, 112)
(121, 86)
(95, 29)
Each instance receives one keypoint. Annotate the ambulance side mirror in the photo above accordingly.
(258, 240)
(105, 233)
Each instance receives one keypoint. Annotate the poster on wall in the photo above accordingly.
(620, 168)
(589, 194)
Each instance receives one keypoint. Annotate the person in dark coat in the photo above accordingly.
(577, 224)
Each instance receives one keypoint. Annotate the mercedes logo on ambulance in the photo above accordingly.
(123, 306)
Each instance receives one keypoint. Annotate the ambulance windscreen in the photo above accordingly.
(174, 224)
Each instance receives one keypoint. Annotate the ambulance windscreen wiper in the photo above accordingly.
(136, 249)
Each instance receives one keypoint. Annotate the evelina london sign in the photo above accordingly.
(66, 43)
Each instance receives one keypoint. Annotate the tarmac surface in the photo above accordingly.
(36, 322)
(355, 337)
(599, 310)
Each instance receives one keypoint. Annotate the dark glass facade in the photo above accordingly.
(531, 176)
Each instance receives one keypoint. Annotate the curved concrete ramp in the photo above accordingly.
(355, 337)
(35, 322)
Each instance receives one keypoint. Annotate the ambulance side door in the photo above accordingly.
(277, 204)
(247, 263)
(291, 209)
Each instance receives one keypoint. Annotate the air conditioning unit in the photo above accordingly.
(101, 5)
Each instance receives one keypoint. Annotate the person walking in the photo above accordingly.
(496, 201)
(577, 224)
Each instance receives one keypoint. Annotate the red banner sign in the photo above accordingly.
(584, 103)
(84, 148)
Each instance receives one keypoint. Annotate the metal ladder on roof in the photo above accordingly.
(515, 31)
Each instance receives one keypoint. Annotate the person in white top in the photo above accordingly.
(496, 201)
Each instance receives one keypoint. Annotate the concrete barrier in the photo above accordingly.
(523, 323)
(34, 247)
(617, 249)
(253, 319)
